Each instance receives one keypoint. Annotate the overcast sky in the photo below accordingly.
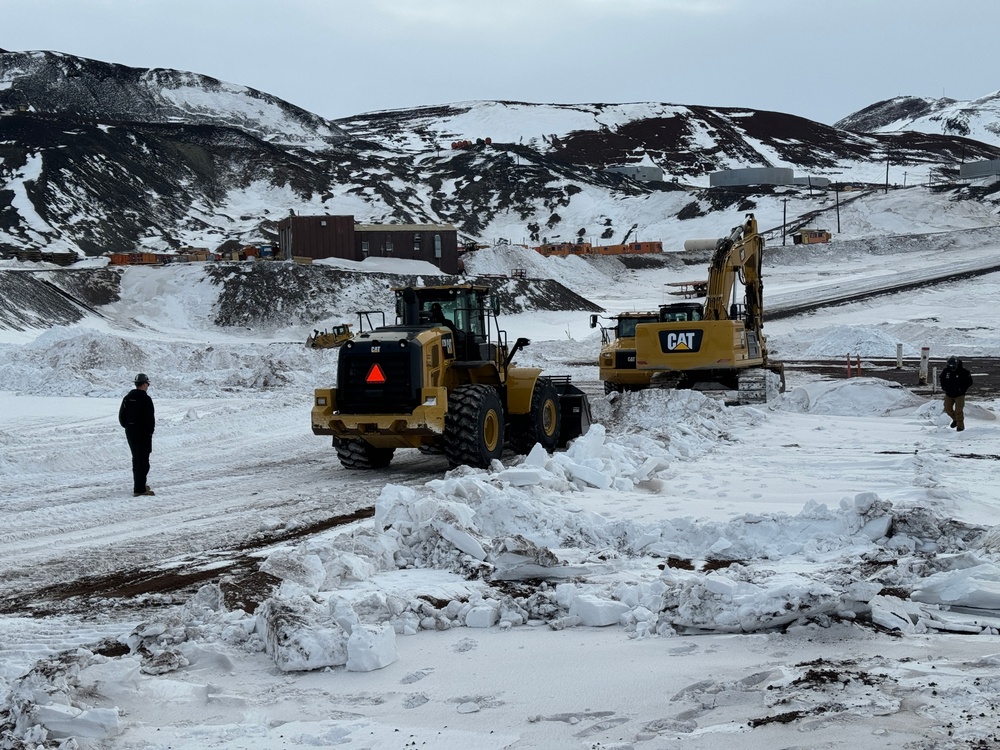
(820, 59)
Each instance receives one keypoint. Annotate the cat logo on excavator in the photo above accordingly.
(680, 341)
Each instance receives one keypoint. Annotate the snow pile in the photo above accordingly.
(343, 600)
(86, 362)
(851, 397)
(520, 523)
(866, 341)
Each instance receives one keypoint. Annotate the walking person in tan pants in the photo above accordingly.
(955, 381)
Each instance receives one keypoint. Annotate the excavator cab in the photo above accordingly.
(680, 311)
(616, 361)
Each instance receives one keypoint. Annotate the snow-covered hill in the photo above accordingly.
(57, 84)
(97, 157)
(978, 119)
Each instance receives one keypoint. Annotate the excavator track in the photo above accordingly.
(752, 386)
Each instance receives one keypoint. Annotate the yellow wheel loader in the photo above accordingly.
(718, 345)
(442, 380)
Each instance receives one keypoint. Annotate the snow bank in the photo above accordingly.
(75, 361)
(853, 397)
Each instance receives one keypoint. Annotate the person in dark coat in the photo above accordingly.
(955, 381)
(137, 417)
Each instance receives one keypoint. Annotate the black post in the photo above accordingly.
(784, 220)
(886, 171)
(837, 191)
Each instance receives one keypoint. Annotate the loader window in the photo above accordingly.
(471, 311)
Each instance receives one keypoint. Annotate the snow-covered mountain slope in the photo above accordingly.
(56, 84)
(687, 142)
(96, 157)
(978, 119)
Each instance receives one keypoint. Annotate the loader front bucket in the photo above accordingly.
(575, 408)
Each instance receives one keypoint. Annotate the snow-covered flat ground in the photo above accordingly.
(738, 554)
(819, 572)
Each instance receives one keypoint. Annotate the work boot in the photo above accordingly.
(147, 492)
(953, 424)
(960, 428)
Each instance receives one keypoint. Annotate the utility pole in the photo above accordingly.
(904, 178)
(784, 220)
(836, 189)
(886, 170)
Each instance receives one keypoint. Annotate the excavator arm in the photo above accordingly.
(737, 257)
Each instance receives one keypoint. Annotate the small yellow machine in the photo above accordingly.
(617, 358)
(331, 339)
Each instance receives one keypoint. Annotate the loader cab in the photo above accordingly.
(464, 310)
(681, 312)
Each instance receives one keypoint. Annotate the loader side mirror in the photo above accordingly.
(593, 320)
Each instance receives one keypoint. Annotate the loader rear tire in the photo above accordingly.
(541, 424)
(473, 427)
(357, 454)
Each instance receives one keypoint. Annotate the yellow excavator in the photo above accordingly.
(718, 345)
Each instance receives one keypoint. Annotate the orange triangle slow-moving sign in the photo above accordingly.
(375, 374)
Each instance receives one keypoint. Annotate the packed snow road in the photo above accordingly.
(227, 475)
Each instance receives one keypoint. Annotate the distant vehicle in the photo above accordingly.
(331, 339)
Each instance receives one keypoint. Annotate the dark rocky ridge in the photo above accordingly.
(259, 296)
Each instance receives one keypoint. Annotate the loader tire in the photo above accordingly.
(542, 422)
(357, 454)
(610, 387)
(473, 427)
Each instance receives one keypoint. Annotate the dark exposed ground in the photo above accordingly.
(265, 295)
